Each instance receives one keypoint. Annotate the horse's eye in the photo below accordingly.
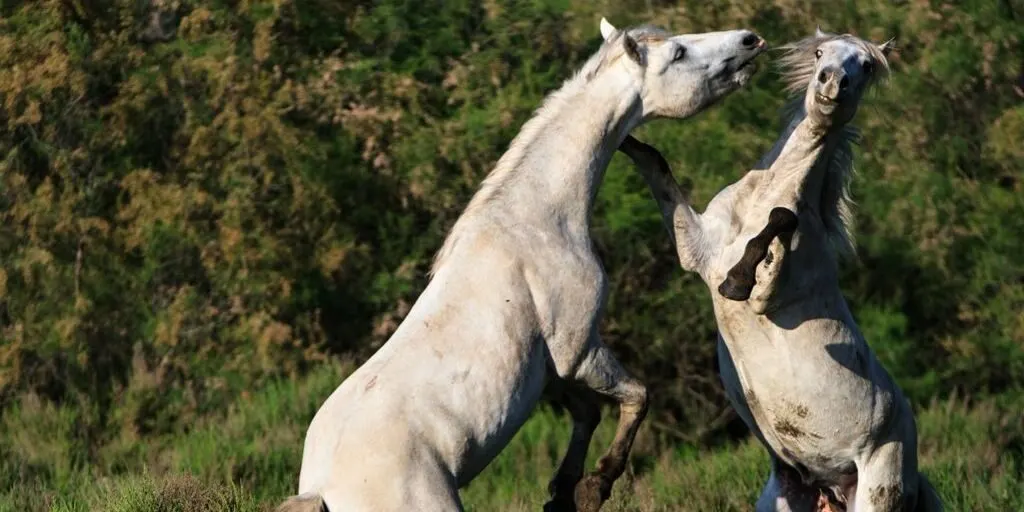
(680, 54)
(817, 54)
(869, 66)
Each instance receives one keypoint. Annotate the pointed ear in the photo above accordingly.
(887, 46)
(818, 32)
(606, 29)
(632, 49)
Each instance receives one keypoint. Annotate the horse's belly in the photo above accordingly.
(808, 417)
(817, 441)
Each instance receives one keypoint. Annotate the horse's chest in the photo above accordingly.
(583, 288)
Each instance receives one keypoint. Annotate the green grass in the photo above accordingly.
(246, 458)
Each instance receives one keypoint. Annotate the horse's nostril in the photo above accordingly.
(823, 77)
(750, 40)
(844, 82)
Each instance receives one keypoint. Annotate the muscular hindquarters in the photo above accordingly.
(446, 392)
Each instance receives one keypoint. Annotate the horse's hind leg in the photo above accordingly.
(586, 414)
(786, 492)
(603, 373)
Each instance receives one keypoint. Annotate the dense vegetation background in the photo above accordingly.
(200, 200)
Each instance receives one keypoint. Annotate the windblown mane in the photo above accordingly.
(797, 67)
(797, 63)
(610, 51)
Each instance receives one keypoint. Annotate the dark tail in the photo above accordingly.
(306, 502)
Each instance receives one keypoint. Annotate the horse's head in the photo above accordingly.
(681, 75)
(834, 71)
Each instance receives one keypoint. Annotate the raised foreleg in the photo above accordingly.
(782, 192)
(601, 372)
(740, 280)
(684, 225)
(585, 411)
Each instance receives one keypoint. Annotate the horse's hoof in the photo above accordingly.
(560, 504)
(735, 290)
(592, 492)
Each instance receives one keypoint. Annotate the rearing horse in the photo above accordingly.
(515, 298)
(794, 364)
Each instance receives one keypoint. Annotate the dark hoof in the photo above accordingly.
(560, 503)
(732, 289)
(592, 492)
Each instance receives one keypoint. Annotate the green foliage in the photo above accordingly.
(199, 198)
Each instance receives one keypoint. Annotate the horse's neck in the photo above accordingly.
(556, 164)
(550, 174)
(813, 182)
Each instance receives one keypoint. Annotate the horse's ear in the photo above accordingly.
(819, 33)
(607, 29)
(632, 48)
(887, 46)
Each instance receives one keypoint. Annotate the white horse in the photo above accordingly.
(794, 363)
(515, 298)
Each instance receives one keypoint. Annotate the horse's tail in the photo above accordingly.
(306, 502)
(927, 498)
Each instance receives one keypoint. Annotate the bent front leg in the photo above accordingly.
(603, 373)
(684, 225)
(740, 280)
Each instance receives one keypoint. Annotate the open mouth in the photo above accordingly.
(749, 63)
(748, 66)
(741, 70)
(824, 100)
